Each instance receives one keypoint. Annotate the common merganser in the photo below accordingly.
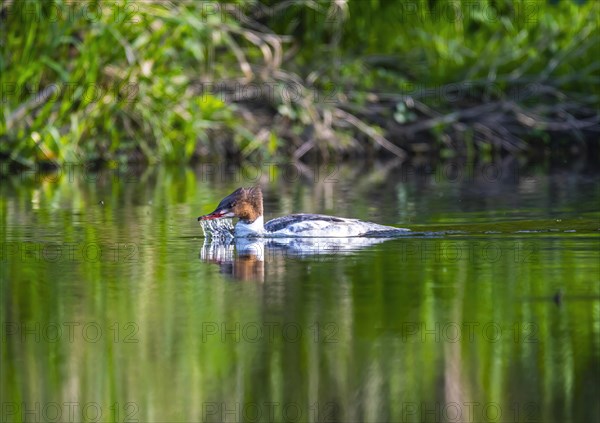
(247, 205)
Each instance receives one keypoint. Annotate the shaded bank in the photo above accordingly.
(157, 81)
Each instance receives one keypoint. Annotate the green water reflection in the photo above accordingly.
(111, 311)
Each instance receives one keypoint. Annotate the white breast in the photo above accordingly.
(246, 230)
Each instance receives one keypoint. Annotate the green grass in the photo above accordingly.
(127, 80)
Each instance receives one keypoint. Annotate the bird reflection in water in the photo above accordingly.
(244, 258)
(241, 259)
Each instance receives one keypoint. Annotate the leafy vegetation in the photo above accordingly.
(164, 81)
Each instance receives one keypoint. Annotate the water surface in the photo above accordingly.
(115, 309)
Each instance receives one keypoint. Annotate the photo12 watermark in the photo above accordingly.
(407, 11)
(465, 11)
(466, 332)
(70, 332)
(270, 411)
(269, 332)
(410, 411)
(455, 92)
(71, 172)
(70, 412)
(330, 172)
(262, 172)
(71, 252)
(465, 172)
(73, 11)
(58, 92)
(470, 412)
(408, 250)
(270, 91)
(416, 251)
(449, 251)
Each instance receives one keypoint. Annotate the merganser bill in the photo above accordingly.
(247, 205)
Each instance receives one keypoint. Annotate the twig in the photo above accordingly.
(370, 132)
(39, 99)
(239, 55)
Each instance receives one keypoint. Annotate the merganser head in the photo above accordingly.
(244, 203)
